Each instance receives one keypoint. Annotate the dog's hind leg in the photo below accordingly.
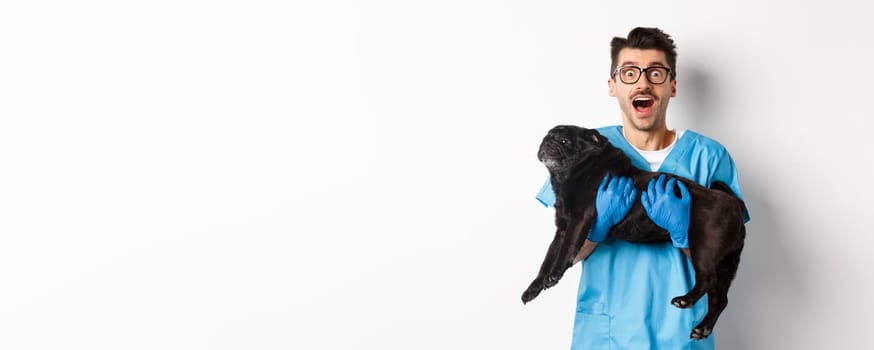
(705, 280)
(718, 296)
(717, 300)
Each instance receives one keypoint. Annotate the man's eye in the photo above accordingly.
(629, 73)
(655, 74)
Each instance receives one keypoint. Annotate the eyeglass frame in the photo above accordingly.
(642, 71)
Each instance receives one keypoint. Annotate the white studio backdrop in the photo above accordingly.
(342, 174)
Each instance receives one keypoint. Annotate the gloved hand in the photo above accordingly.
(614, 200)
(667, 210)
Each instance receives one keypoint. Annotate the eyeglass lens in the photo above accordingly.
(655, 75)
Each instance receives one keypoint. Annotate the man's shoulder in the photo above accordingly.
(700, 140)
(610, 130)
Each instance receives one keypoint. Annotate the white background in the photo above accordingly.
(361, 175)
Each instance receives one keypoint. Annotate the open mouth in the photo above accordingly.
(642, 104)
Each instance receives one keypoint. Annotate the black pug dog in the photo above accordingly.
(578, 159)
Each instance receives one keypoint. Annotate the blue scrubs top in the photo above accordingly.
(625, 292)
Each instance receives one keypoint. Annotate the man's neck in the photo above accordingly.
(649, 140)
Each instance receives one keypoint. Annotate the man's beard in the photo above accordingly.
(643, 124)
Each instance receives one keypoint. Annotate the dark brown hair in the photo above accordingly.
(644, 39)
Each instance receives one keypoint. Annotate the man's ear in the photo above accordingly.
(612, 85)
(673, 87)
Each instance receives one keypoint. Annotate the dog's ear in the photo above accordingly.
(597, 138)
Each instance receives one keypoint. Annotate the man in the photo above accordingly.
(626, 288)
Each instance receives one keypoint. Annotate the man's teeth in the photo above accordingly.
(642, 102)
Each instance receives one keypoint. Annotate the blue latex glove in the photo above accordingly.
(667, 210)
(614, 200)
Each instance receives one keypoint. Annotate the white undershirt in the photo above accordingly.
(656, 158)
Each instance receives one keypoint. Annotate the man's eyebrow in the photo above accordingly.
(632, 63)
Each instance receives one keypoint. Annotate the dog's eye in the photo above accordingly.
(564, 141)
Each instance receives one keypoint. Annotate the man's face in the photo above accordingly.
(643, 104)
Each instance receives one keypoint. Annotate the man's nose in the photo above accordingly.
(643, 83)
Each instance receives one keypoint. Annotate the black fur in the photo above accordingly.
(578, 159)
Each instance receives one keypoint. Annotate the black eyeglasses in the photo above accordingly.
(631, 74)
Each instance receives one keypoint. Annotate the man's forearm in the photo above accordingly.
(687, 252)
(585, 251)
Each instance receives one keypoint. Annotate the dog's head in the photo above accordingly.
(567, 146)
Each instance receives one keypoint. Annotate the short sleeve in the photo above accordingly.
(546, 196)
(726, 173)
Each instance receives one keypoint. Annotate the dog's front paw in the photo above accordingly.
(552, 280)
(531, 293)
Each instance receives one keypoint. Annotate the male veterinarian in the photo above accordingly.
(626, 288)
